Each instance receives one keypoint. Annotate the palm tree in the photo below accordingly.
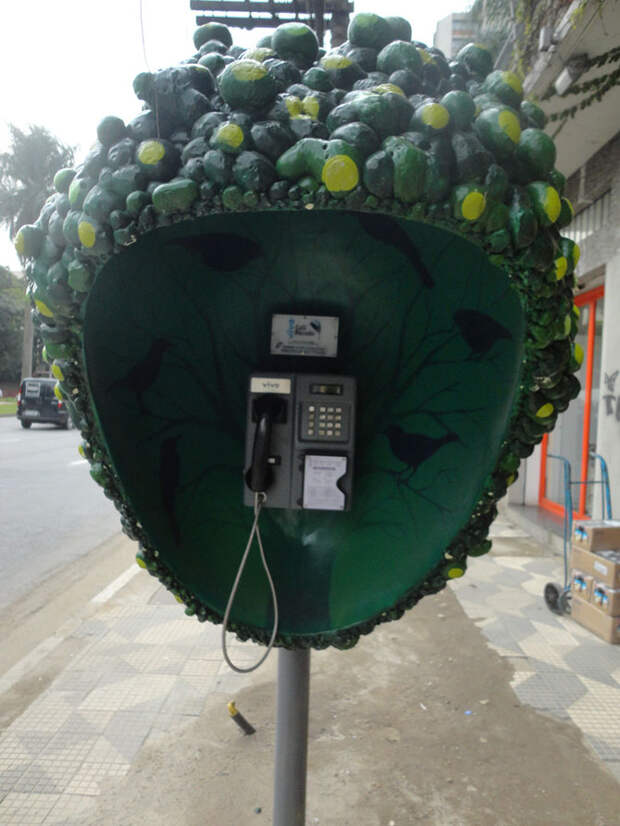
(27, 173)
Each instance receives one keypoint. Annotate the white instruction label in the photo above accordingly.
(321, 474)
(304, 335)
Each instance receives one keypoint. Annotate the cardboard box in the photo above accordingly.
(604, 566)
(605, 598)
(581, 584)
(588, 615)
(597, 536)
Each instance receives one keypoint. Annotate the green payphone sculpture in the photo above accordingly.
(411, 199)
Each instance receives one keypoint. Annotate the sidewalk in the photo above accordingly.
(426, 721)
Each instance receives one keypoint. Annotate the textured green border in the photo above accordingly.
(546, 383)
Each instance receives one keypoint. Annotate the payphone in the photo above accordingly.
(300, 440)
(300, 437)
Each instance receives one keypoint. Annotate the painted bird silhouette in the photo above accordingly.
(479, 330)
(386, 230)
(413, 449)
(169, 475)
(143, 375)
(224, 251)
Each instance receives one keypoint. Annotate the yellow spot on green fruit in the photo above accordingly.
(261, 53)
(576, 254)
(20, 243)
(509, 123)
(340, 174)
(510, 480)
(571, 209)
(231, 134)
(567, 324)
(57, 372)
(336, 61)
(178, 598)
(513, 81)
(455, 572)
(576, 311)
(578, 353)
(58, 392)
(552, 204)
(44, 355)
(473, 206)
(435, 115)
(87, 233)
(43, 308)
(382, 88)
(311, 106)
(545, 411)
(561, 265)
(247, 71)
(151, 152)
(293, 105)
(141, 562)
(81, 451)
(426, 58)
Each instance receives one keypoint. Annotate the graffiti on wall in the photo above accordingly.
(612, 401)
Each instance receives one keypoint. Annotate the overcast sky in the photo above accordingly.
(65, 64)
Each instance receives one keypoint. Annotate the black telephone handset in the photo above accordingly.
(267, 409)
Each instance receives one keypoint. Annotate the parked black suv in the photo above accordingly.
(37, 402)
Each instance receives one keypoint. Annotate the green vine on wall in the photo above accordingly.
(597, 86)
(528, 17)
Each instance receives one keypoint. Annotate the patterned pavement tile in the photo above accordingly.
(556, 635)
(70, 810)
(23, 809)
(195, 667)
(509, 601)
(175, 630)
(596, 713)
(126, 731)
(14, 760)
(595, 657)
(548, 691)
(560, 667)
(129, 692)
(500, 637)
(91, 777)
(605, 750)
(188, 695)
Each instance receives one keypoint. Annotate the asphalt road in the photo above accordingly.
(51, 511)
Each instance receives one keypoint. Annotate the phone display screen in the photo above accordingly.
(326, 389)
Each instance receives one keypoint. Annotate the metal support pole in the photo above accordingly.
(289, 801)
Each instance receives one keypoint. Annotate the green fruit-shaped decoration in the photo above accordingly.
(157, 158)
(506, 86)
(476, 59)
(296, 42)
(212, 31)
(537, 151)
(62, 179)
(399, 27)
(246, 85)
(399, 55)
(415, 200)
(499, 130)
(461, 107)
(343, 72)
(370, 30)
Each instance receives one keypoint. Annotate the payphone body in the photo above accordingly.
(308, 461)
